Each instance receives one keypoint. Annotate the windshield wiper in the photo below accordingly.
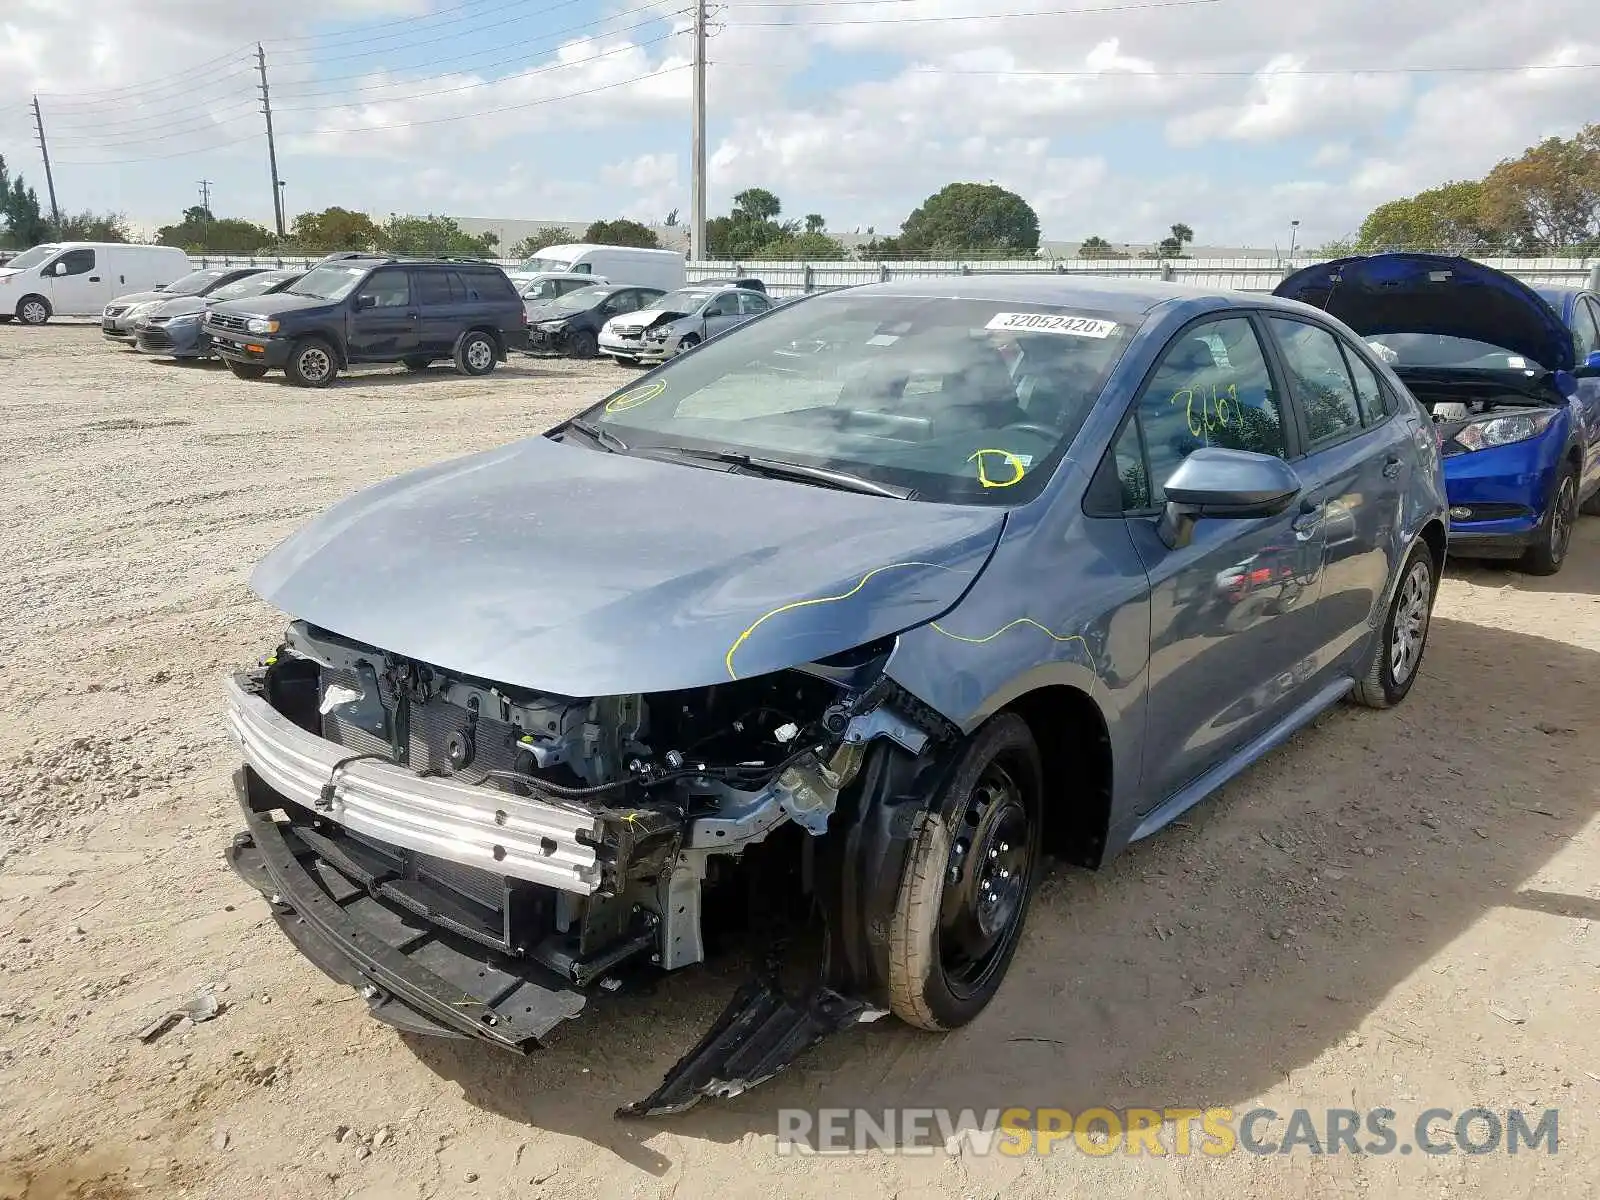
(777, 468)
(603, 438)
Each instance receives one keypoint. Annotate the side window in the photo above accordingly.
(1319, 379)
(1369, 393)
(1210, 388)
(627, 302)
(433, 288)
(1588, 334)
(468, 286)
(751, 304)
(77, 262)
(726, 305)
(1127, 460)
(389, 287)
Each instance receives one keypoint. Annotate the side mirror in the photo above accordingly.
(1229, 484)
(61, 268)
(367, 301)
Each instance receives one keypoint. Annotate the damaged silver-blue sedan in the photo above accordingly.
(891, 591)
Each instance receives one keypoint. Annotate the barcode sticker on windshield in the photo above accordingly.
(1052, 323)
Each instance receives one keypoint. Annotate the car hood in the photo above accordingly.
(133, 298)
(645, 318)
(549, 312)
(271, 305)
(1437, 294)
(179, 306)
(581, 573)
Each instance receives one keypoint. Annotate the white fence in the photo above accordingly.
(787, 278)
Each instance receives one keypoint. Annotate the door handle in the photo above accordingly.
(1391, 466)
(94, 279)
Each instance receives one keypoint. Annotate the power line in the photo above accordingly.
(134, 93)
(992, 16)
(335, 41)
(1263, 73)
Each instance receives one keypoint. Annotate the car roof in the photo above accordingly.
(1088, 291)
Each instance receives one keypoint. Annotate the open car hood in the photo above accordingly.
(1437, 294)
(573, 571)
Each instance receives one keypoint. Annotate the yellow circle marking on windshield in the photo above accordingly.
(633, 399)
(1012, 461)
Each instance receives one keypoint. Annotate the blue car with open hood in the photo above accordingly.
(1511, 375)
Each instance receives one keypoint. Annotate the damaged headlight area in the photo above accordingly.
(478, 858)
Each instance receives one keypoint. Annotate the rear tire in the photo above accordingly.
(1548, 553)
(312, 363)
(476, 354)
(33, 310)
(246, 370)
(970, 873)
(417, 363)
(1396, 655)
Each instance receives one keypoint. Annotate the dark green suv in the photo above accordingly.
(373, 310)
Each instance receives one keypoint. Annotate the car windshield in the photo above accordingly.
(1435, 350)
(30, 258)
(250, 285)
(536, 266)
(195, 283)
(580, 300)
(684, 300)
(333, 282)
(967, 401)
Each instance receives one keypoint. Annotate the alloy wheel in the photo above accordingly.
(1411, 612)
(315, 364)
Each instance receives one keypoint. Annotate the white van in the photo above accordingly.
(619, 264)
(78, 279)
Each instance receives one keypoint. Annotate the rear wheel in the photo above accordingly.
(1396, 653)
(33, 310)
(969, 876)
(246, 370)
(476, 354)
(1549, 550)
(417, 362)
(312, 363)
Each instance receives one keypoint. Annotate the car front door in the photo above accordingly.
(384, 320)
(1586, 339)
(752, 304)
(721, 313)
(1356, 469)
(77, 285)
(1233, 632)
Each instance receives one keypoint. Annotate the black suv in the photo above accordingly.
(373, 310)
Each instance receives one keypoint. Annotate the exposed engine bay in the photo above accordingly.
(546, 842)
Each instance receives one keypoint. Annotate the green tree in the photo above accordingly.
(1172, 247)
(201, 233)
(433, 235)
(622, 232)
(94, 227)
(23, 220)
(1096, 246)
(1451, 216)
(815, 223)
(550, 235)
(756, 204)
(1548, 200)
(333, 229)
(671, 219)
(966, 218)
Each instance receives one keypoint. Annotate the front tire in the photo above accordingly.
(1396, 656)
(476, 354)
(1548, 553)
(246, 370)
(583, 344)
(312, 364)
(968, 878)
(688, 342)
(33, 310)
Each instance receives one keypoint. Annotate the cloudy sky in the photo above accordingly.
(1112, 117)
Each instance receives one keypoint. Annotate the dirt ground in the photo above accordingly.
(1397, 909)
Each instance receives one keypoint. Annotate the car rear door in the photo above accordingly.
(438, 305)
(1586, 340)
(384, 321)
(1228, 660)
(1356, 467)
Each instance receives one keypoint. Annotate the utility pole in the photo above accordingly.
(205, 214)
(49, 178)
(697, 198)
(272, 146)
(205, 195)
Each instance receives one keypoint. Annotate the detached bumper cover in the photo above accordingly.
(414, 975)
(505, 834)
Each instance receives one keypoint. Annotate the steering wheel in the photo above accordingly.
(1036, 427)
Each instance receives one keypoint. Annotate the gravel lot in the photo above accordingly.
(1396, 910)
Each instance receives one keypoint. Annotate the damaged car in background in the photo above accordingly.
(856, 612)
(679, 321)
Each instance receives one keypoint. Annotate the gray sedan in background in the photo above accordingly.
(172, 329)
(679, 321)
(116, 321)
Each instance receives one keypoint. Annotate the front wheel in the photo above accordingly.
(246, 370)
(1396, 653)
(688, 342)
(33, 310)
(476, 354)
(583, 344)
(1549, 550)
(968, 878)
(312, 364)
